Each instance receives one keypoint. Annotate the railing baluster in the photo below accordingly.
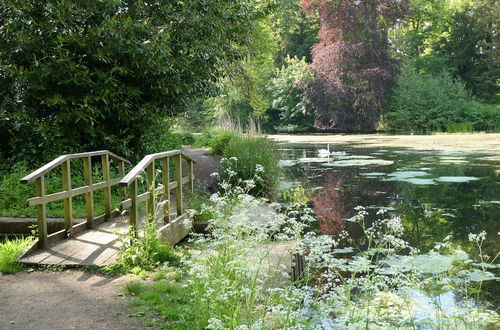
(41, 213)
(150, 173)
(68, 202)
(166, 194)
(89, 196)
(121, 173)
(178, 190)
(191, 178)
(106, 190)
(134, 212)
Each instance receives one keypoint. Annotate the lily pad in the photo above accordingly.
(359, 162)
(405, 175)
(419, 181)
(353, 157)
(313, 160)
(286, 163)
(373, 174)
(456, 178)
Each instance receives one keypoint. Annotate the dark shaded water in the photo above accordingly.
(435, 194)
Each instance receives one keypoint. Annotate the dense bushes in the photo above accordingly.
(425, 102)
(89, 75)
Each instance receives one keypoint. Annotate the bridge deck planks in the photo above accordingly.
(96, 247)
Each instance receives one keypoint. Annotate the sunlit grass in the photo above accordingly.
(10, 249)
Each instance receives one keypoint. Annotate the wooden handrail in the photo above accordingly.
(147, 164)
(146, 161)
(61, 159)
(68, 192)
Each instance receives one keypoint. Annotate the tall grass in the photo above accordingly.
(243, 152)
(246, 155)
(10, 249)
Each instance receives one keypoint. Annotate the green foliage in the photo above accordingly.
(296, 33)
(144, 253)
(13, 195)
(287, 97)
(10, 249)
(245, 153)
(459, 128)
(427, 103)
(92, 75)
(220, 140)
(242, 154)
(460, 36)
(296, 195)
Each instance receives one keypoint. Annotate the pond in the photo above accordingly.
(435, 193)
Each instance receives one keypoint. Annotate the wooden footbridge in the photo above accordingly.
(96, 240)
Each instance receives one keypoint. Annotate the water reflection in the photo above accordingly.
(434, 193)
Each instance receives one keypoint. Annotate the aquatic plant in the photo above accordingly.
(236, 275)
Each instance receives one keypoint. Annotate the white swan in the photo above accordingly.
(323, 153)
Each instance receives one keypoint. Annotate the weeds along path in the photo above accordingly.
(64, 300)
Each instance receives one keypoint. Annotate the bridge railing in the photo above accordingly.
(68, 192)
(147, 164)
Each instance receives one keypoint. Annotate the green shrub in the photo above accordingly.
(9, 251)
(248, 152)
(187, 138)
(220, 140)
(425, 102)
(144, 253)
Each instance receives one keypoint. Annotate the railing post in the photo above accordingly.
(191, 178)
(41, 214)
(150, 173)
(134, 212)
(107, 189)
(68, 202)
(121, 172)
(165, 175)
(89, 196)
(178, 190)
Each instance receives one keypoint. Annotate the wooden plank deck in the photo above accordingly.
(96, 247)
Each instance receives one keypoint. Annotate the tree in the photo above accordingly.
(80, 75)
(287, 96)
(353, 71)
(296, 32)
(471, 46)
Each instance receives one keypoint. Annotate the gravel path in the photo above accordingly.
(64, 300)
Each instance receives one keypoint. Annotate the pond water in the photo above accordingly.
(435, 193)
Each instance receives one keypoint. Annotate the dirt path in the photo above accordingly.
(64, 300)
(476, 142)
(75, 299)
(206, 165)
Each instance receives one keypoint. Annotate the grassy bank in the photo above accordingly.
(246, 155)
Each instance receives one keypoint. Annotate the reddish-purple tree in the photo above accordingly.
(352, 69)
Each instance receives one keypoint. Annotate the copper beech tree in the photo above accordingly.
(352, 69)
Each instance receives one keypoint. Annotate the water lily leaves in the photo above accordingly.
(359, 162)
(456, 178)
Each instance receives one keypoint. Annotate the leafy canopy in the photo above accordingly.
(81, 75)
